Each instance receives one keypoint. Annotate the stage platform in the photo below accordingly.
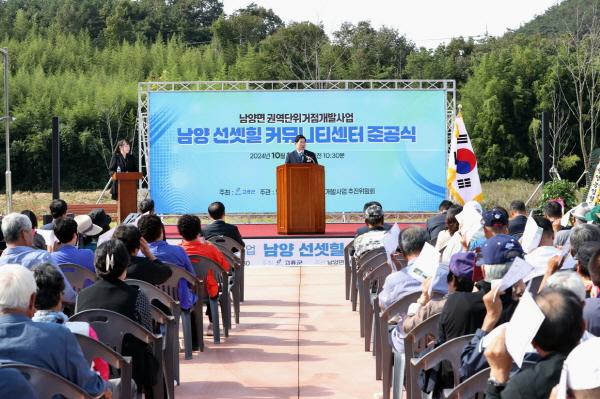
(264, 247)
(270, 230)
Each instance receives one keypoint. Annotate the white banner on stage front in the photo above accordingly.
(290, 251)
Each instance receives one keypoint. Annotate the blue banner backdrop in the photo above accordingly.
(385, 145)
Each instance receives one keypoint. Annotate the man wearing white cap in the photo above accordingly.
(580, 378)
(66, 231)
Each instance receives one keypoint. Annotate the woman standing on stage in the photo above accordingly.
(121, 161)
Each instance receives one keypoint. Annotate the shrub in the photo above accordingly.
(563, 189)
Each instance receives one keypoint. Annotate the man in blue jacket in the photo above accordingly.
(46, 345)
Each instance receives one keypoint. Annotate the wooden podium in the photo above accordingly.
(127, 193)
(300, 199)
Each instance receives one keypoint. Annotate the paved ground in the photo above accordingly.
(297, 338)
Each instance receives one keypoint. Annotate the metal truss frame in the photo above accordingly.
(145, 88)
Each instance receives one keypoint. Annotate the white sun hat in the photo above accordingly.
(86, 227)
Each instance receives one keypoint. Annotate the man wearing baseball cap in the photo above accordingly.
(459, 279)
(495, 221)
(463, 312)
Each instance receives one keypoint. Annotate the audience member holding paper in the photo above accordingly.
(580, 235)
(572, 218)
(558, 333)
(538, 245)
(400, 283)
(444, 236)
(437, 223)
(494, 221)
(591, 310)
(432, 301)
(463, 312)
(580, 378)
(469, 222)
(472, 358)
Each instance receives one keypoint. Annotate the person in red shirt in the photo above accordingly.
(193, 243)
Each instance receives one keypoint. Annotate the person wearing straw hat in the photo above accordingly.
(66, 230)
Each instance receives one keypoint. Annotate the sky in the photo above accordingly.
(426, 22)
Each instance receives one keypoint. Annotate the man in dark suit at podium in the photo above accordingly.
(301, 154)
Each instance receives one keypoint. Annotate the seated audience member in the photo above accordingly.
(444, 236)
(495, 221)
(99, 219)
(553, 212)
(152, 230)
(110, 292)
(189, 227)
(373, 238)
(518, 218)
(400, 283)
(437, 223)
(472, 358)
(580, 235)
(539, 257)
(145, 268)
(2, 241)
(46, 345)
(463, 312)
(14, 385)
(18, 234)
(591, 310)
(584, 254)
(219, 227)
(559, 333)
(582, 377)
(65, 230)
(193, 244)
(48, 304)
(460, 278)
(577, 216)
(58, 209)
(363, 229)
(38, 240)
(146, 207)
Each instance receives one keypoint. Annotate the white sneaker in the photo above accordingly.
(209, 330)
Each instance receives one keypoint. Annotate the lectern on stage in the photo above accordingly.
(127, 193)
(300, 198)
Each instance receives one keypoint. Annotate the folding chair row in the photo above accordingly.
(93, 349)
(400, 307)
(236, 250)
(367, 262)
(112, 327)
(46, 384)
(171, 288)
